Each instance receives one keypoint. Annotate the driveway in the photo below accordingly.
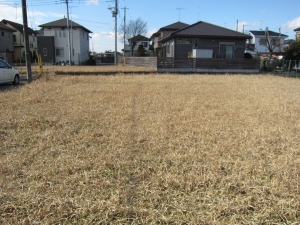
(10, 86)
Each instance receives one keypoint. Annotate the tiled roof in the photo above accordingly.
(3, 27)
(175, 26)
(297, 29)
(139, 38)
(203, 29)
(262, 33)
(172, 27)
(18, 27)
(63, 23)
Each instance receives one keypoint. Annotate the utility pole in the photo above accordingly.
(179, 12)
(115, 15)
(26, 38)
(69, 35)
(124, 28)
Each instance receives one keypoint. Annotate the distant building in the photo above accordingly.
(58, 31)
(6, 43)
(19, 41)
(259, 41)
(164, 32)
(134, 43)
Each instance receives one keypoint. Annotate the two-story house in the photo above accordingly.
(6, 43)
(19, 41)
(57, 32)
(164, 32)
(134, 43)
(262, 41)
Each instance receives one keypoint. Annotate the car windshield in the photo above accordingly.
(3, 64)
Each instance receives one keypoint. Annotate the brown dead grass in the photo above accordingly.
(157, 149)
(91, 70)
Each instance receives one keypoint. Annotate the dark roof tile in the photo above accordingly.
(18, 27)
(63, 23)
(3, 27)
(262, 33)
(204, 29)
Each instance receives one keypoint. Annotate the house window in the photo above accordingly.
(33, 39)
(15, 39)
(168, 48)
(45, 51)
(196, 43)
(59, 52)
(226, 50)
(59, 33)
(2, 33)
(145, 44)
(64, 33)
(184, 41)
(263, 41)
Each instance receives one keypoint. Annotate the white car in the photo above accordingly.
(8, 73)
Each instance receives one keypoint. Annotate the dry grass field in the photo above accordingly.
(85, 70)
(151, 149)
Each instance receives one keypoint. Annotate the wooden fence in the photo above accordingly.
(207, 65)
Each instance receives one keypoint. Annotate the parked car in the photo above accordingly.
(8, 73)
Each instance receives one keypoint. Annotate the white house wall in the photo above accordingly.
(262, 48)
(80, 44)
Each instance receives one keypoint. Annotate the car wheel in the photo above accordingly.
(16, 80)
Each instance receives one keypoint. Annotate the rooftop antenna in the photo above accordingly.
(179, 12)
(198, 9)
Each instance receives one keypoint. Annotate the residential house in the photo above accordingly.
(19, 41)
(204, 40)
(261, 38)
(6, 43)
(164, 32)
(134, 43)
(59, 33)
(297, 33)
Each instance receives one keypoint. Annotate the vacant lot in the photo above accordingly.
(85, 70)
(151, 149)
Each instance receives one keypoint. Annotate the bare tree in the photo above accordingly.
(132, 29)
(273, 44)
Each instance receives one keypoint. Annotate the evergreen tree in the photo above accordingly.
(293, 51)
(141, 51)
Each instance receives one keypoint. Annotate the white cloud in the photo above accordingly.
(150, 32)
(94, 2)
(262, 11)
(34, 17)
(293, 24)
(11, 13)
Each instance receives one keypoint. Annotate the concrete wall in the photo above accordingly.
(150, 62)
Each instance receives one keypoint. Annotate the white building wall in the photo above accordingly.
(79, 44)
(263, 48)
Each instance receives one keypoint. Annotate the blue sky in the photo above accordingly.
(95, 15)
